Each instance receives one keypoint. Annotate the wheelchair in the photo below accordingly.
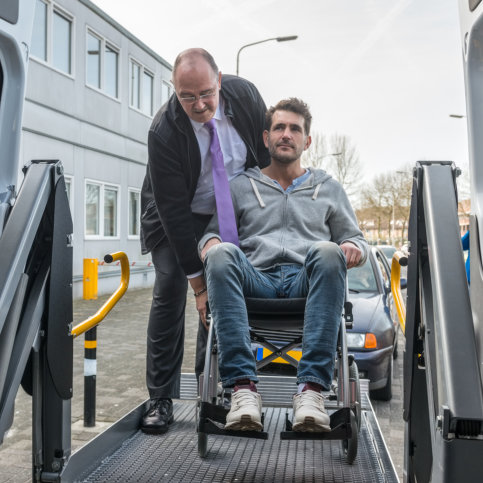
(277, 325)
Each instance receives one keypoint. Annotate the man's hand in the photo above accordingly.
(210, 243)
(198, 284)
(201, 302)
(352, 254)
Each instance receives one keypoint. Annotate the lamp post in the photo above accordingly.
(278, 39)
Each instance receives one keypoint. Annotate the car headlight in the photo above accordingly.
(355, 340)
(360, 341)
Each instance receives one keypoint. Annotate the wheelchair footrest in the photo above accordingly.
(340, 424)
(211, 427)
(212, 419)
(213, 412)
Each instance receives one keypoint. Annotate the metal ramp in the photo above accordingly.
(174, 456)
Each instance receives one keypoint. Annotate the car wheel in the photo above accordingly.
(384, 393)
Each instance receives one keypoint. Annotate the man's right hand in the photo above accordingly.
(352, 254)
(201, 302)
(210, 243)
(198, 284)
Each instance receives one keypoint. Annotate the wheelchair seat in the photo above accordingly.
(276, 314)
(277, 325)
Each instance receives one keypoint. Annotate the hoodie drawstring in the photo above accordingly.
(316, 192)
(257, 193)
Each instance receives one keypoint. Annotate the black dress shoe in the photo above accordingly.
(158, 417)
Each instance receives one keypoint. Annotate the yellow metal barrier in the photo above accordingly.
(398, 259)
(113, 299)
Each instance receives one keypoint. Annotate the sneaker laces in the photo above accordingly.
(311, 398)
(244, 398)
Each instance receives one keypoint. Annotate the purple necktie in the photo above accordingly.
(224, 204)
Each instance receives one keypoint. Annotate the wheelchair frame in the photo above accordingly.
(345, 421)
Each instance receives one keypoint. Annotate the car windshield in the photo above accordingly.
(362, 278)
(388, 251)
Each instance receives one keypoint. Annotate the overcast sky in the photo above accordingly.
(385, 73)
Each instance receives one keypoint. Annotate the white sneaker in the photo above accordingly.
(309, 413)
(246, 411)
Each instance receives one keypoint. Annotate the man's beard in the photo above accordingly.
(283, 158)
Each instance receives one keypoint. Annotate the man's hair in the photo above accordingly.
(190, 54)
(293, 105)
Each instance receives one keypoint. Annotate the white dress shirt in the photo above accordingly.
(234, 157)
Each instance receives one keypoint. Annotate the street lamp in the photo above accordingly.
(278, 39)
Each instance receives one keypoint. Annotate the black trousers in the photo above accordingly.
(166, 326)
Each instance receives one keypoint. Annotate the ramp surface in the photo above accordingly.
(174, 456)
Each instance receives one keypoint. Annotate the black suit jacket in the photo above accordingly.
(174, 166)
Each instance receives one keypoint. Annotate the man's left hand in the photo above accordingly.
(352, 254)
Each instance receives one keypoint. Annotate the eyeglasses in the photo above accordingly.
(193, 99)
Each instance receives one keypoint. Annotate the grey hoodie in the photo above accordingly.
(276, 227)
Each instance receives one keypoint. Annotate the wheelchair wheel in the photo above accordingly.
(202, 445)
(202, 437)
(356, 404)
(349, 446)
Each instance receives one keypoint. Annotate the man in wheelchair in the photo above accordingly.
(298, 234)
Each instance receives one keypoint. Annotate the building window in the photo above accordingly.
(52, 36)
(93, 201)
(39, 35)
(93, 60)
(142, 85)
(101, 210)
(134, 212)
(147, 93)
(102, 70)
(110, 211)
(166, 91)
(111, 68)
(61, 43)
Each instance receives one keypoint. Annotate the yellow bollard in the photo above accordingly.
(90, 278)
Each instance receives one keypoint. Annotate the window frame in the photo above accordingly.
(170, 87)
(69, 179)
(103, 185)
(48, 62)
(104, 42)
(142, 69)
(138, 214)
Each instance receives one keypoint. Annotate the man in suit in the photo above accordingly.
(178, 200)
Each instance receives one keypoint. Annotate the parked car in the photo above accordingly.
(373, 338)
(388, 251)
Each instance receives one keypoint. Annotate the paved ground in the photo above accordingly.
(121, 386)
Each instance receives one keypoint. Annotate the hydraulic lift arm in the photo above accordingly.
(443, 401)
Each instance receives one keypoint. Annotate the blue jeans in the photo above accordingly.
(230, 277)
